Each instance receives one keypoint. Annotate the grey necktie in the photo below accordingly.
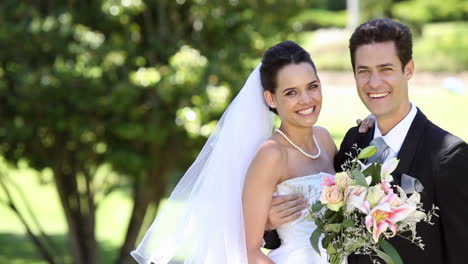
(382, 150)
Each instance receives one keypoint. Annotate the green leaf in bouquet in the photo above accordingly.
(367, 152)
(384, 256)
(329, 214)
(328, 239)
(374, 171)
(335, 228)
(336, 259)
(339, 216)
(314, 239)
(330, 249)
(334, 217)
(356, 245)
(359, 178)
(347, 223)
(317, 206)
(390, 251)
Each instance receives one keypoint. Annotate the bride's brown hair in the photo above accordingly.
(277, 57)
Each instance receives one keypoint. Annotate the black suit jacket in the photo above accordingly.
(440, 161)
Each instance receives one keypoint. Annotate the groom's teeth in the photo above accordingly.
(306, 111)
(378, 95)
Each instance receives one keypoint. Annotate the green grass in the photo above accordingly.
(112, 218)
(340, 110)
(17, 249)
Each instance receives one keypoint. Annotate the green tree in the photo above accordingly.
(375, 9)
(130, 84)
(418, 12)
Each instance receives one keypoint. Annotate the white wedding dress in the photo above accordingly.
(295, 236)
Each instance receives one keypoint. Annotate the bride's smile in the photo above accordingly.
(307, 112)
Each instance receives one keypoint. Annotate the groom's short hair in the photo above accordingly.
(383, 30)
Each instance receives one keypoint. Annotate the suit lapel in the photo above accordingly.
(365, 139)
(408, 149)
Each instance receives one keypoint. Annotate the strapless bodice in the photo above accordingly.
(295, 236)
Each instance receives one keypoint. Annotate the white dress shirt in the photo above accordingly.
(395, 137)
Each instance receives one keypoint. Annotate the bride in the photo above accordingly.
(218, 211)
(293, 160)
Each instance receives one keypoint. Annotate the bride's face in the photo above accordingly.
(298, 95)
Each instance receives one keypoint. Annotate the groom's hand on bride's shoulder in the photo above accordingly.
(284, 209)
(365, 124)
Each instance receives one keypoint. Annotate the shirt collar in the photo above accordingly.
(395, 137)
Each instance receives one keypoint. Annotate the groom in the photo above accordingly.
(381, 56)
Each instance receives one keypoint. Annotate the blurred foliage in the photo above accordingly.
(332, 5)
(415, 13)
(370, 9)
(443, 47)
(312, 19)
(130, 84)
(328, 48)
(321, 14)
(424, 11)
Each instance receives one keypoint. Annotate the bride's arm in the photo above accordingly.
(262, 177)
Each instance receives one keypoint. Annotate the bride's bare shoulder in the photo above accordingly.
(271, 152)
(272, 149)
(269, 163)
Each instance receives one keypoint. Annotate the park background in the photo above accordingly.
(105, 103)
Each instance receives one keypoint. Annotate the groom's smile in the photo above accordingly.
(378, 95)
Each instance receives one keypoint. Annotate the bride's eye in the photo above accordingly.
(291, 93)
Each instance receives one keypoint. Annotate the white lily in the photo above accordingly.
(388, 167)
(355, 196)
(414, 199)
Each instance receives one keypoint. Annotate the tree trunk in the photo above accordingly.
(80, 216)
(141, 201)
(152, 190)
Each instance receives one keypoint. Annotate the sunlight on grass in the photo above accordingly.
(42, 198)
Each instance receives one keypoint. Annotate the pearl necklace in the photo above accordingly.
(310, 156)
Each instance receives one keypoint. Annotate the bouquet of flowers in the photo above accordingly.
(359, 210)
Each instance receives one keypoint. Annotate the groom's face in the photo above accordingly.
(381, 82)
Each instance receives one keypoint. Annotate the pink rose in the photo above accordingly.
(342, 180)
(332, 196)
